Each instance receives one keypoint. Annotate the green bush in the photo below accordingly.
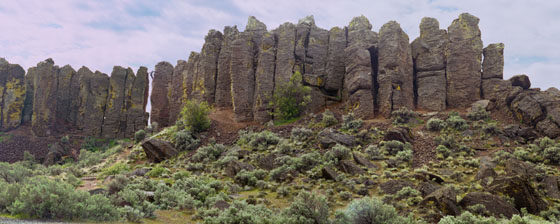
(351, 123)
(184, 140)
(117, 184)
(373, 211)
(403, 115)
(157, 171)
(240, 213)
(209, 153)
(552, 154)
(374, 153)
(308, 208)
(172, 198)
(65, 139)
(329, 119)
(258, 141)
(138, 200)
(290, 99)
(436, 124)
(114, 169)
(468, 218)
(301, 134)
(195, 116)
(250, 178)
(338, 153)
(405, 155)
(89, 158)
(478, 114)
(42, 197)
(443, 151)
(139, 136)
(456, 122)
(13, 173)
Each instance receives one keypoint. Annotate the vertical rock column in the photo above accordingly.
(94, 88)
(136, 118)
(428, 52)
(335, 60)
(204, 82)
(264, 78)
(44, 97)
(494, 88)
(285, 57)
(118, 101)
(175, 91)
(223, 80)
(189, 75)
(160, 86)
(12, 95)
(395, 78)
(315, 67)
(464, 56)
(358, 80)
(66, 96)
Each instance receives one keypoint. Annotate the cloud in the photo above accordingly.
(100, 34)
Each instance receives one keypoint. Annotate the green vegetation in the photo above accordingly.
(402, 115)
(194, 116)
(139, 136)
(290, 99)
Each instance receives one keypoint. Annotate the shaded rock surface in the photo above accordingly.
(158, 150)
(495, 205)
(12, 95)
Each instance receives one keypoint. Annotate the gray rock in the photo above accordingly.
(493, 64)
(118, 100)
(464, 56)
(12, 95)
(204, 82)
(175, 93)
(136, 118)
(44, 97)
(66, 97)
(94, 89)
(395, 77)
(285, 59)
(330, 138)
(431, 90)
(521, 81)
(335, 60)
(243, 77)
(160, 87)
(394, 186)
(495, 205)
(445, 199)
(158, 150)
(264, 79)
(223, 80)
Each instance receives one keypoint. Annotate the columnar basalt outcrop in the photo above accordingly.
(359, 78)
(12, 95)
(242, 77)
(136, 117)
(44, 97)
(175, 94)
(264, 78)
(204, 80)
(285, 57)
(464, 58)
(118, 101)
(395, 77)
(428, 52)
(223, 80)
(94, 88)
(159, 98)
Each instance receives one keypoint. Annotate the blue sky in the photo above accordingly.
(101, 34)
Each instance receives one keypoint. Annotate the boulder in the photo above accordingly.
(94, 88)
(431, 89)
(520, 189)
(44, 97)
(242, 77)
(223, 80)
(158, 150)
(526, 108)
(268, 162)
(496, 90)
(329, 138)
(359, 159)
(523, 134)
(485, 172)
(521, 81)
(350, 167)
(360, 102)
(394, 186)
(118, 101)
(445, 199)
(204, 82)
(495, 205)
(550, 184)
(329, 173)
(160, 87)
(235, 166)
(335, 60)
(428, 187)
(464, 59)
(140, 171)
(493, 64)
(395, 76)
(12, 95)
(264, 79)
(136, 118)
(401, 134)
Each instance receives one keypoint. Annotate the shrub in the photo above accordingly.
(446, 140)
(350, 123)
(456, 122)
(291, 98)
(308, 208)
(114, 169)
(491, 128)
(443, 150)
(195, 116)
(240, 212)
(436, 124)
(172, 198)
(468, 218)
(329, 119)
(374, 153)
(301, 134)
(250, 178)
(258, 141)
(157, 171)
(209, 153)
(65, 139)
(138, 200)
(478, 114)
(373, 211)
(12, 173)
(402, 115)
(552, 153)
(117, 184)
(89, 158)
(45, 198)
(338, 153)
(393, 147)
(184, 140)
(139, 136)
(405, 155)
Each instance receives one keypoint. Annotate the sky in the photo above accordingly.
(131, 33)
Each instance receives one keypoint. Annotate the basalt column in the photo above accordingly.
(358, 80)
(464, 57)
(285, 58)
(160, 87)
(118, 100)
(12, 95)
(264, 78)
(94, 88)
(136, 118)
(428, 52)
(175, 91)
(204, 82)
(44, 97)
(494, 88)
(223, 80)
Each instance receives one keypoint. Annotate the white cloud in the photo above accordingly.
(100, 34)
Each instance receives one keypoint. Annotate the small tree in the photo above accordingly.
(290, 99)
(195, 116)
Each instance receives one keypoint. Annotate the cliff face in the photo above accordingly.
(371, 74)
(58, 100)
